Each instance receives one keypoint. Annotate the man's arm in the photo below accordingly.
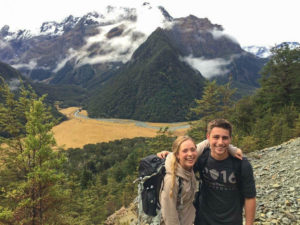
(162, 154)
(250, 207)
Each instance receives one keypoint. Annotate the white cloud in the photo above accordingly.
(31, 65)
(62, 63)
(119, 48)
(14, 84)
(4, 44)
(217, 34)
(252, 22)
(148, 18)
(209, 67)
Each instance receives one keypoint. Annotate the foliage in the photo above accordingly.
(66, 95)
(104, 173)
(280, 83)
(30, 174)
(162, 142)
(154, 86)
(210, 101)
(217, 101)
(270, 116)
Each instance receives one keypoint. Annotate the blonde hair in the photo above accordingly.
(174, 163)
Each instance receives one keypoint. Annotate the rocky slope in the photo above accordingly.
(277, 175)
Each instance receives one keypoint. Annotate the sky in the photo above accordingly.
(250, 22)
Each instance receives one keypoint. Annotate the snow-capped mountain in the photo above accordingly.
(119, 56)
(81, 50)
(105, 38)
(259, 51)
(265, 51)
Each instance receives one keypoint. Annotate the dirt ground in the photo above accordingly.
(77, 132)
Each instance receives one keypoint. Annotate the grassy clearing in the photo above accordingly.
(77, 132)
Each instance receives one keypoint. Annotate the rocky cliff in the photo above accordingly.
(277, 176)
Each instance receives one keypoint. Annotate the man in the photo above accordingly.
(227, 185)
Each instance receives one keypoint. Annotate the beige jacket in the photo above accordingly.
(173, 212)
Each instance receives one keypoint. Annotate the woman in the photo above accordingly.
(179, 166)
(179, 186)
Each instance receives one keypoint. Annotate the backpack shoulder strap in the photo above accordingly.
(237, 166)
(180, 186)
(201, 162)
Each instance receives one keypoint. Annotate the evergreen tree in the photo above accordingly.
(210, 103)
(216, 102)
(280, 83)
(30, 176)
(162, 142)
(226, 95)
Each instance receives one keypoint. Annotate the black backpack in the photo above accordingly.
(151, 175)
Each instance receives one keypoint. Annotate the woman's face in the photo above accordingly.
(187, 154)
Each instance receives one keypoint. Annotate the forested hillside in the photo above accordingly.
(42, 185)
(154, 86)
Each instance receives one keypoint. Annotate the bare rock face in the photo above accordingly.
(277, 177)
(200, 38)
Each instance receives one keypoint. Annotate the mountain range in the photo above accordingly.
(115, 66)
(265, 51)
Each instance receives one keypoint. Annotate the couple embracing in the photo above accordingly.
(226, 181)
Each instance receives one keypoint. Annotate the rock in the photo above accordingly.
(277, 178)
(277, 186)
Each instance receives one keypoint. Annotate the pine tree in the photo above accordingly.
(210, 103)
(216, 102)
(280, 83)
(30, 176)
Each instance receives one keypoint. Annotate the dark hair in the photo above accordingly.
(221, 123)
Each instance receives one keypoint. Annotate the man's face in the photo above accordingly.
(219, 140)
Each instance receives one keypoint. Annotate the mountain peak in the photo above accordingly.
(203, 24)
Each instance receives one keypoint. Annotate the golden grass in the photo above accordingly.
(77, 132)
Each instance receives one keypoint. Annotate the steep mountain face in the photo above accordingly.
(125, 75)
(9, 73)
(67, 94)
(77, 49)
(215, 54)
(155, 85)
(44, 51)
(201, 38)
